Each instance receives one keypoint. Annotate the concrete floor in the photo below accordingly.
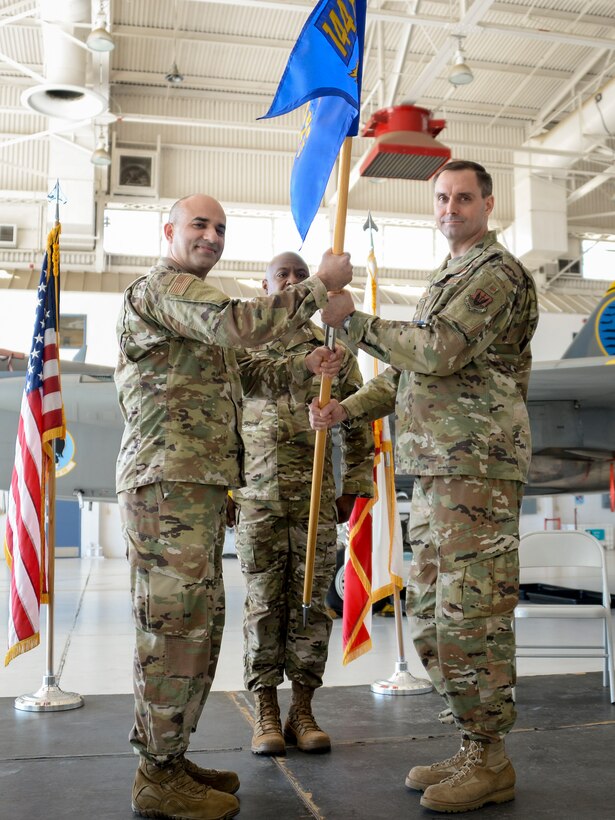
(78, 764)
(75, 765)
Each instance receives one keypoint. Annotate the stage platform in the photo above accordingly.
(78, 765)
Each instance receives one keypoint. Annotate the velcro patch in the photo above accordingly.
(479, 301)
(180, 283)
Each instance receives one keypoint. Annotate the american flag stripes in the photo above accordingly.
(41, 421)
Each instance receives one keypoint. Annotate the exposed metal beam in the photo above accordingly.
(23, 69)
(214, 124)
(264, 90)
(566, 90)
(591, 184)
(400, 59)
(471, 21)
(59, 129)
(543, 35)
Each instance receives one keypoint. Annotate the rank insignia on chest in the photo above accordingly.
(479, 301)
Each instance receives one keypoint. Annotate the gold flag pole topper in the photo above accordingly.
(325, 386)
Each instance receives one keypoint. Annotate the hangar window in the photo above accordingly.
(73, 336)
(416, 248)
(598, 259)
(248, 238)
(134, 233)
(72, 330)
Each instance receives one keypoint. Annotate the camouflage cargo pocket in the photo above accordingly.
(475, 519)
(139, 511)
(481, 589)
(167, 605)
(247, 538)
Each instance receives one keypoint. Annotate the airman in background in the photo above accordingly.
(273, 515)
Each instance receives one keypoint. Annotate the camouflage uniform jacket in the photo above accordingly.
(278, 439)
(177, 376)
(460, 370)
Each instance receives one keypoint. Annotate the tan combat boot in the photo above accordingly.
(170, 792)
(486, 776)
(267, 738)
(219, 779)
(301, 727)
(420, 777)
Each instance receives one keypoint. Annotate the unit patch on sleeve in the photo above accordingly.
(479, 301)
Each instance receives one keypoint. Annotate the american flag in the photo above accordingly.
(41, 420)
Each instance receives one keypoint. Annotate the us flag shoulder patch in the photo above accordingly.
(180, 283)
(479, 301)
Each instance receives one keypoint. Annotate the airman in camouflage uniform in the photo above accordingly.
(180, 395)
(458, 383)
(273, 514)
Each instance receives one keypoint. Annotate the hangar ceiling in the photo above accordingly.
(541, 107)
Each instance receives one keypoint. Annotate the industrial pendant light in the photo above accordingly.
(174, 76)
(99, 39)
(460, 73)
(101, 155)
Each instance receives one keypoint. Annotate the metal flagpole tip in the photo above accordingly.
(402, 683)
(305, 613)
(49, 698)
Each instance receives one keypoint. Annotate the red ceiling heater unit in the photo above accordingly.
(405, 147)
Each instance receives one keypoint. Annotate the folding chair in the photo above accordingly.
(568, 548)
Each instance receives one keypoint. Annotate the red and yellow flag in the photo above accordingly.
(374, 556)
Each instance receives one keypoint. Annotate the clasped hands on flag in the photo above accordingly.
(323, 361)
(335, 270)
(340, 305)
(321, 418)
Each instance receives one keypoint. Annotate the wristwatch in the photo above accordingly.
(346, 322)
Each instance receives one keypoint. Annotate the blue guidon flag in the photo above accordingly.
(324, 70)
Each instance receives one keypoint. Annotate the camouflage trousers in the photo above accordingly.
(462, 590)
(174, 533)
(271, 540)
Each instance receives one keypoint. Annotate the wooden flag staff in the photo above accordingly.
(325, 384)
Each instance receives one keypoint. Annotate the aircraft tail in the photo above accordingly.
(597, 336)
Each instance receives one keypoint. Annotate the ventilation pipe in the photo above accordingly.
(539, 233)
(64, 94)
(66, 100)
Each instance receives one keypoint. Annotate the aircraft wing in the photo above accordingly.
(571, 404)
(590, 381)
(94, 424)
(13, 363)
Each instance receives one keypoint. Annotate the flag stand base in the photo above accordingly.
(401, 683)
(49, 698)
